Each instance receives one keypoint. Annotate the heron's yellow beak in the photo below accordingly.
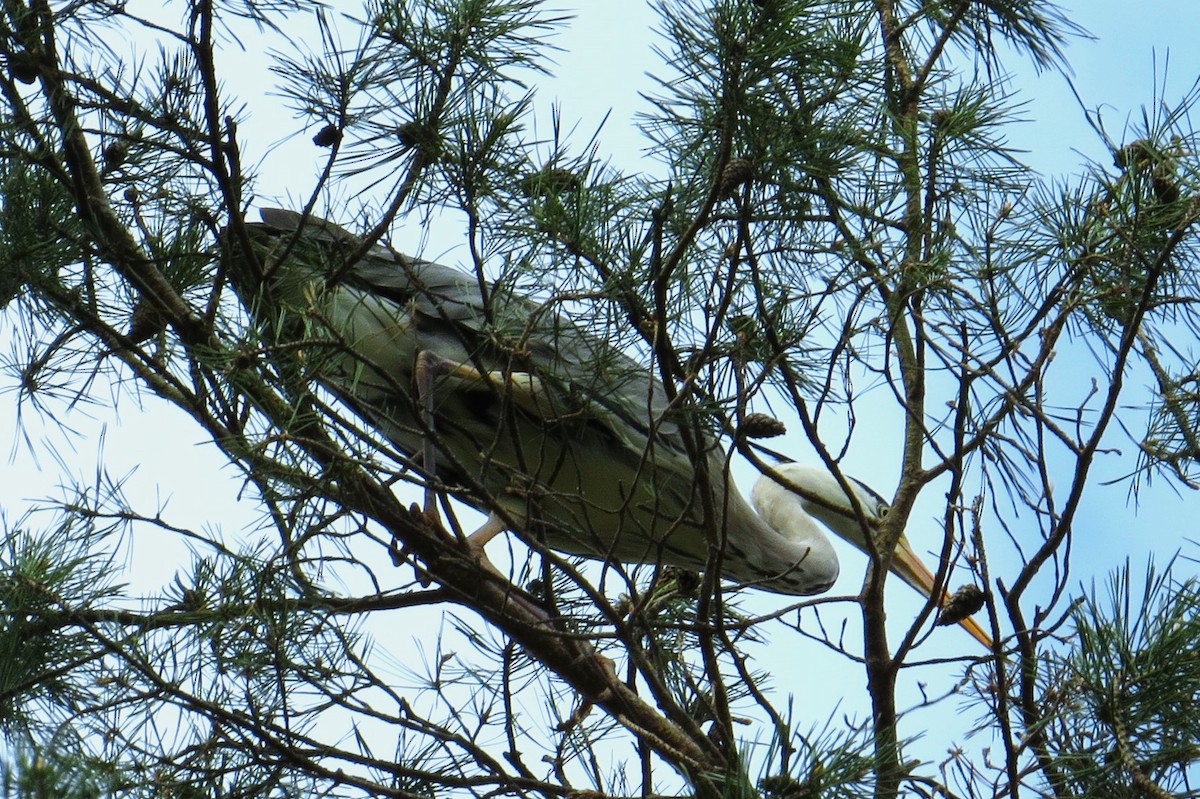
(909, 568)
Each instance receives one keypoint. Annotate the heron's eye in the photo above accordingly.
(881, 510)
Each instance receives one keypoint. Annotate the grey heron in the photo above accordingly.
(548, 428)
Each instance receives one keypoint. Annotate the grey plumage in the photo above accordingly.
(565, 433)
(535, 417)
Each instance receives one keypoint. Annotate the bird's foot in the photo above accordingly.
(608, 678)
(474, 546)
(581, 712)
(401, 553)
(428, 518)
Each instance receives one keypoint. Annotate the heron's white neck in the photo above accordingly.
(797, 538)
(788, 544)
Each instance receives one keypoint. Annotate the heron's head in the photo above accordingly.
(823, 497)
(826, 500)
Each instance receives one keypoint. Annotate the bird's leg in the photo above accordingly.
(426, 368)
(423, 374)
(477, 540)
(493, 527)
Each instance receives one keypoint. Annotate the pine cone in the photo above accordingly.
(737, 173)
(966, 601)
(760, 425)
(327, 136)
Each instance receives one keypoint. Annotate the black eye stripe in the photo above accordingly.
(866, 490)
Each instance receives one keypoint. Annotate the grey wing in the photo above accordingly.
(586, 373)
(435, 290)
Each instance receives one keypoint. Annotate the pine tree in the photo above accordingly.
(833, 228)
